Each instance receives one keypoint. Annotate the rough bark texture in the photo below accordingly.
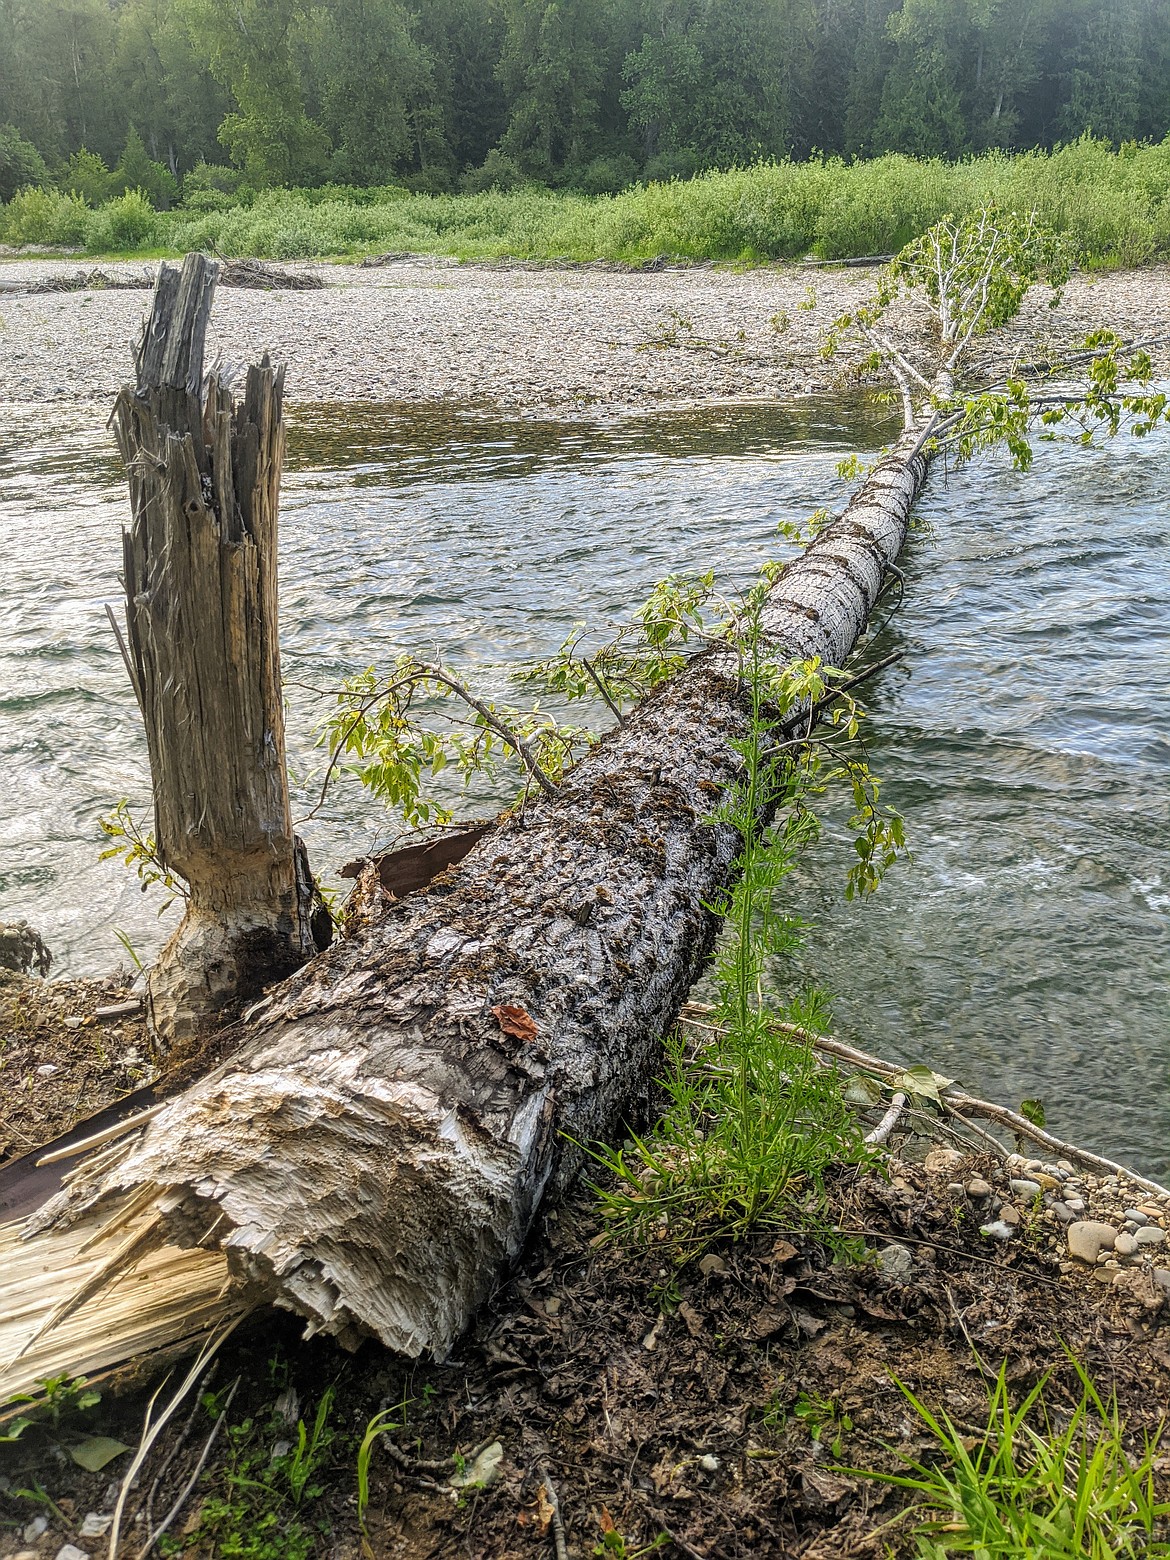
(201, 614)
(373, 1155)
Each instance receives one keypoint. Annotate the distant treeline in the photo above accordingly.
(231, 96)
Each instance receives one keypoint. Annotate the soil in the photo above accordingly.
(422, 329)
(58, 1063)
(716, 1415)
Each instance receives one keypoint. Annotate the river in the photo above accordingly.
(1025, 736)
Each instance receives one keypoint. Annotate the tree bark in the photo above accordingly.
(201, 615)
(374, 1153)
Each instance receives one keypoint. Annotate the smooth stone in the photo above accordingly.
(896, 1262)
(1000, 1230)
(1025, 1189)
(1008, 1214)
(71, 1552)
(978, 1188)
(1150, 1235)
(1125, 1245)
(1136, 1216)
(1162, 1278)
(956, 1188)
(1077, 1204)
(1066, 1165)
(1087, 1237)
(1063, 1212)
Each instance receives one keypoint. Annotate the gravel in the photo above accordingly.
(529, 340)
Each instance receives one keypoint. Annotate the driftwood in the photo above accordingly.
(201, 617)
(373, 1154)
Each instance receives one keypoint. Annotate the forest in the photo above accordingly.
(195, 99)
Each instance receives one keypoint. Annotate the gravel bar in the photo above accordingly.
(518, 337)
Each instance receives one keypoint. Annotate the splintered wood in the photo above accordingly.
(170, 1296)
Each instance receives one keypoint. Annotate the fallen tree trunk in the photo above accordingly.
(373, 1154)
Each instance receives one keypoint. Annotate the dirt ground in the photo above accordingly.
(714, 1414)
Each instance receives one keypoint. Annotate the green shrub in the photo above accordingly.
(86, 174)
(44, 217)
(130, 222)
(499, 172)
(605, 175)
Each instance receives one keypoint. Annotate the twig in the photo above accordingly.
(176, 1447)
(889, 1121)
(130, 672)
(602, 689)
(181, 1498)
(105, 1136)
(151, 1432)
(679, 1543)
(558, 1522)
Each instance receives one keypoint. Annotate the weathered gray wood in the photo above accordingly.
(373, 1154)
(199, 570)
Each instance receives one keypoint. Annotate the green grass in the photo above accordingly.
(1114, 205)
(1037, 1482)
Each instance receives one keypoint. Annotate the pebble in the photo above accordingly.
(1077, 1204)
(96, 1525)
(35, 1528)
(71, 1552)
(1162, 1278)
(1150, 1235)
(1136, 1216)
(1063, 1212)
(978, 1188)
(1087, 1237)
(1008, 1214)
(1027, 1190)
(711, 1265)
(896, 1262)
(1125, 1245)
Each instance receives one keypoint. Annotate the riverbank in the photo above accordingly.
(520, 338)
(717, 1412)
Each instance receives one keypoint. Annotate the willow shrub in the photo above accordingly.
(1114, 205)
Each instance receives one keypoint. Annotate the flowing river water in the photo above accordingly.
(1025, 735)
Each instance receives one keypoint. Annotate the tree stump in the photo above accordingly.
(201, 616)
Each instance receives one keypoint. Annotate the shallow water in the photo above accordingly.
(1026, 736)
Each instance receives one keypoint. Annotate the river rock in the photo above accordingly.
(978, 1189)
(1026, 1190)
(1136, 1216)
(942, 1161)
(896, 1262)
(1125, 1245)
(1150, 1235)
(1063, 1213)
(1088, 1237)
(1009, 1214)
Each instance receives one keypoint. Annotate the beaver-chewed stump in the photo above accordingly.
(201, 617)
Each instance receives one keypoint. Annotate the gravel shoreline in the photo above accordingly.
(423, 329)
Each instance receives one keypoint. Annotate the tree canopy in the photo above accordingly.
(586, 93)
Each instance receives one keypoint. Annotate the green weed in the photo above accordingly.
(1038, 1483)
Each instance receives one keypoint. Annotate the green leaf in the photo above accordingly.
(862, 1089)
(96, 1451)
(921, 1082)
(1034, 1112)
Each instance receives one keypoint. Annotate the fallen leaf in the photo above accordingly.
(545, 1510)
(608, 1525)
(516, 1022)
(96, 1451)
(782, 1251)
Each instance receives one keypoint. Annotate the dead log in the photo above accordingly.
(374, 1153)
(201, 617)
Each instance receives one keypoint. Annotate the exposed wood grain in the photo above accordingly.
(199, 570)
